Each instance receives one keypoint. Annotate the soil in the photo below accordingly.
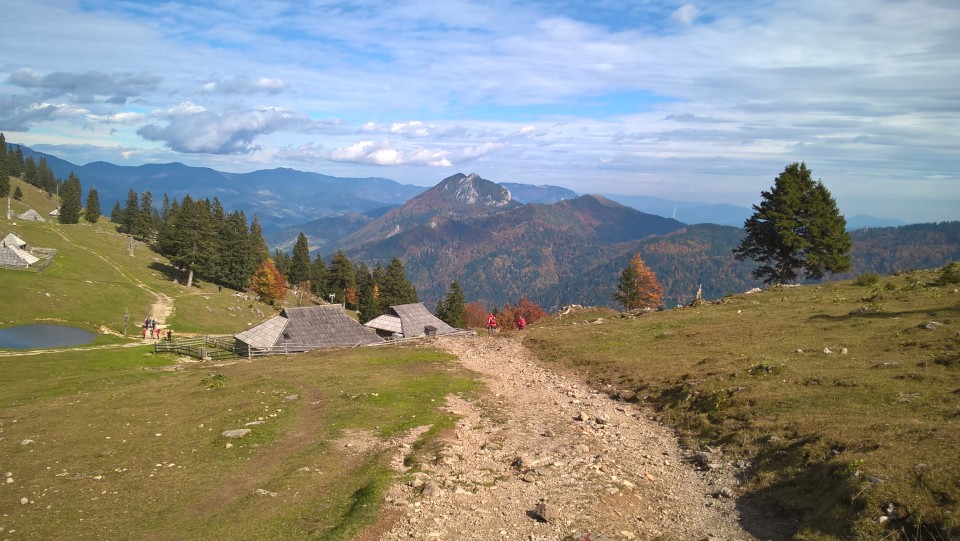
(543, 457)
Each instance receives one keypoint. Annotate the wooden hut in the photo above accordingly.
(303, 329)
(31, 216)
(13, 240)
(408, 321)
(11, 256)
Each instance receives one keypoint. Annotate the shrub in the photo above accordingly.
(867, 279)
(949, 274)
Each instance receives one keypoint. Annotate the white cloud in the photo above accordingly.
(194, 130)
(685, 14)
(242, 84)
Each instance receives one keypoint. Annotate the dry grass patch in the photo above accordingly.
(844, 398)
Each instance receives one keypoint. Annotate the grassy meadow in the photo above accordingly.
(860, 442)
(113, 441)
(125, 447)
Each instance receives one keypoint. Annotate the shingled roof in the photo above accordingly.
(413, 319)
(309, 327)
(13, 240)
(11, 256)
(32, 216)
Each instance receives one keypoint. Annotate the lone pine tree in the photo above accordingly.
(796, 228)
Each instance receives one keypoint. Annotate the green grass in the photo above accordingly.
(833, 438)
(121, 446)
(94, 280)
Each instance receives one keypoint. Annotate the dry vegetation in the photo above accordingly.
(843, 398)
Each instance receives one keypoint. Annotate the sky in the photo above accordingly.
(705, 101)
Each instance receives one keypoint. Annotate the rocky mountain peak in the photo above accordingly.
(470, 190)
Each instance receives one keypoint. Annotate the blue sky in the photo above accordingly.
(693, 101)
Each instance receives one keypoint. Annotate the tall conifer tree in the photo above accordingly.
(300, 264)
(797, 228)
(92, 212)
(70, 200)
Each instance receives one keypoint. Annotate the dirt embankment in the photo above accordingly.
(543, 457)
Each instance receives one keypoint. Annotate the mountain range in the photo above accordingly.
(547, 243)
(287, 198)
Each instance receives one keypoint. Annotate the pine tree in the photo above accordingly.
(257, 242)
(300, 263)
(395, 289)
(18, 193)
(70, 200)
(30, 172)
(45, 178)
(146, 223)
(131, 213)
(116, 215)
(452, 309)
(318, 277)
(92, 213)
(342, 276)
(191, 237)
(366, 298)
(638, 287)
(235, 264)
(796, 228)
(15, 162)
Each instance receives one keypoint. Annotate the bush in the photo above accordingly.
(868, 279)
(949, 274)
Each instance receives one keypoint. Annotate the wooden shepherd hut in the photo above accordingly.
(11, 256)
(31, 216)
(408, 321)
(13, 240)
(303, 329)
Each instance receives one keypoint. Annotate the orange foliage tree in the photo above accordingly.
(509, 315)
(638, 287)
(268, 282)
(476, 315)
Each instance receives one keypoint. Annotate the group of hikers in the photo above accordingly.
(150, 326)
(492, 323)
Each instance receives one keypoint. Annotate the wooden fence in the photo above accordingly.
(206, 348)
(225, 347)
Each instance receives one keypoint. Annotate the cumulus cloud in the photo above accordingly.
(86, 87)
(242, 84)
(194, 130)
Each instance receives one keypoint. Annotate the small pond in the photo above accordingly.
(43, 336)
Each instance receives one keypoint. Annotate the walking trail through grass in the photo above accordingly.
(601, 466)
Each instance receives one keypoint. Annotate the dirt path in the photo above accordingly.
(601, 466)
(162, 307)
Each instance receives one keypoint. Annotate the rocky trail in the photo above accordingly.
(543, 457)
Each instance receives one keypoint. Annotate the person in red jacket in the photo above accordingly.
(521, 323)
(491, 323)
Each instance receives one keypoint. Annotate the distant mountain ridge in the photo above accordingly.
(500, 256)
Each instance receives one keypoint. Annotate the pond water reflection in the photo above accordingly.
(43, 336)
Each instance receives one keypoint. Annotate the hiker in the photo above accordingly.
(521, 323)
(144, 332)
(169, 335)
(491, 323)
